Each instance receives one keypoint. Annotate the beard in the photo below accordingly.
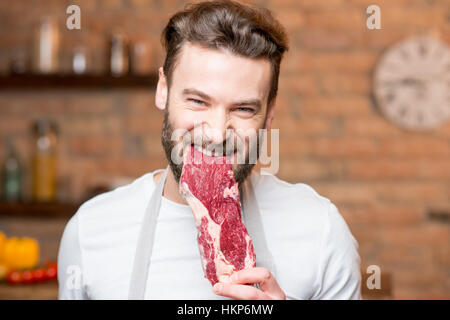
(240, 171)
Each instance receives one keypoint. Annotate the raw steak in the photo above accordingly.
(208, 186)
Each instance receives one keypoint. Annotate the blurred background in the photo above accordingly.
(77, 118)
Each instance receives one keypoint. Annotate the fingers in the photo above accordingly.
(259, 275)
(241, 285)
(239, 291)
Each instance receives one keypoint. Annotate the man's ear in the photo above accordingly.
(161, 90)
(270, 113)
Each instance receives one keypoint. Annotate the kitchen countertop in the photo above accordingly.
(39, 291)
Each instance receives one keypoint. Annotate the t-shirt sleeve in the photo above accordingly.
(339, 275)
(70, 264)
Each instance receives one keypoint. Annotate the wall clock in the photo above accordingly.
(412, 83)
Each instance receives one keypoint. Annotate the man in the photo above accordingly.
(220, 73)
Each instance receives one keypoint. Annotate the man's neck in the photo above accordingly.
(170, 190)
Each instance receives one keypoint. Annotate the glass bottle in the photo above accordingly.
(46, 47)
(45, 160)
(11, 174)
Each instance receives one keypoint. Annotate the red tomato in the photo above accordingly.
(39, 275)
(15, 277)
(27, 276)
(51, 272)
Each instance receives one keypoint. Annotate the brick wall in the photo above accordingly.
(383, 179)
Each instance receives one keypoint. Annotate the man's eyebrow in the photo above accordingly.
(254, 102)
(196, 92)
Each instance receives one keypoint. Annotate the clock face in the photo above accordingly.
(412, 83)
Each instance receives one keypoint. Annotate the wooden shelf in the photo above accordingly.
(69, 81)
(31, 209)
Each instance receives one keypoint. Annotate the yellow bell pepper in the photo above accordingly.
(2, 244)
(20, 253)
(4, 269)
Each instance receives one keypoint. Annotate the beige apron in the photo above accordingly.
(141, 266)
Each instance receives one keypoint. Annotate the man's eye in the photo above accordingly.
(197, 101)
(245, 109)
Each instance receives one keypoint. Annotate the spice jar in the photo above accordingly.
(79, 61)
(118, 54)
(45, 160)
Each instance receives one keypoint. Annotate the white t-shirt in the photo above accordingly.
(315, 254)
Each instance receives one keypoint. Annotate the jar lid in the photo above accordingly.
(44, 126)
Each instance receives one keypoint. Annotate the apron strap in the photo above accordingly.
(253, 223)
(138, 281)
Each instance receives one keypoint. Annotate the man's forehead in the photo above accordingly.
(219, 70)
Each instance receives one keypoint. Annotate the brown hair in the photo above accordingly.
(244, 30)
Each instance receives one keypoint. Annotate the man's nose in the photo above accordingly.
(215, 130)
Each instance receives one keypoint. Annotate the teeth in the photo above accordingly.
(209, 152)
(201, 150)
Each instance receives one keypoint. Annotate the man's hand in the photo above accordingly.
(240, 289)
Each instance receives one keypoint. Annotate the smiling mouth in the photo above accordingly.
(213, 153)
